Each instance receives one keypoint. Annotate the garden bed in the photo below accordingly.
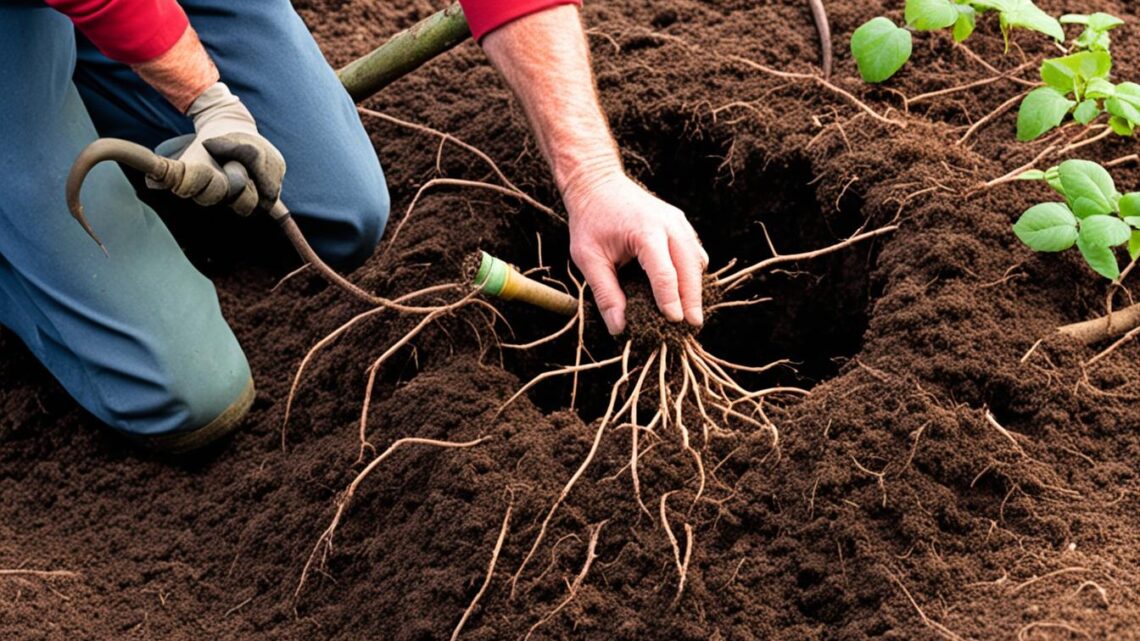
(942, 479)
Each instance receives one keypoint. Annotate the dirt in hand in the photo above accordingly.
(941, 480)
(646, 326)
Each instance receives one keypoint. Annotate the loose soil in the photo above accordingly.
(895, 507)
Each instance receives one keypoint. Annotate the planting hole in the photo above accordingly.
(818, 312)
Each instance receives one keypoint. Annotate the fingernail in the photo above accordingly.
(674, 313)
(615, 321)
(696, 316)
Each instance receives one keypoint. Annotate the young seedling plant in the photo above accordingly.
(1094, 217)
(1097, 220)
(881, 47)
(1078, 84)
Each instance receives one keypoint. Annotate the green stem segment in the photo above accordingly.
(405, 52)
(498, 278)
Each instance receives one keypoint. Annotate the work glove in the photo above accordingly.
(224, 131)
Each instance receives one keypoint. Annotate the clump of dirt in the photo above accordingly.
(647, 327)
(941, 480)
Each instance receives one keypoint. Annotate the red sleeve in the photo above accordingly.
(129, 31)
(484, 16)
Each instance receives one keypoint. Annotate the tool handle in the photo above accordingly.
(236, 176)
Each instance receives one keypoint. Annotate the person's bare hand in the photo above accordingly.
(612, 221)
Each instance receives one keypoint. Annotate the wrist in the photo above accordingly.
(587, 176)
(181, 74)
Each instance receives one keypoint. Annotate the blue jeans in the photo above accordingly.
(137, 336)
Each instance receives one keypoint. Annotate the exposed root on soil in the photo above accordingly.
(991, 116)
(40, 574)
(682, 561)
(374, 369)
(507, 188)
(1105, 327)
(325, 542)
(581, 468)
(942, 630)
(734, 279)
(823, 82)
(591, 555)
(1008, 75)
(490, 572)
(1055, 151)
(340, 331)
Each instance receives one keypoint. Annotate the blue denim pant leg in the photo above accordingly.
(334, 184)
(135, 335)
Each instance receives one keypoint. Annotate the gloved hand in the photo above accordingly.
(224, 131)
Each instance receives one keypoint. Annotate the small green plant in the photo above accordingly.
(1094, 217)
(1079, 84)
(881, 47)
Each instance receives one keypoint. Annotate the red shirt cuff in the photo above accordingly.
(484, 16)
(128, 31)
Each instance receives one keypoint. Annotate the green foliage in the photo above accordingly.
(1095, 36)
(881, 48)
(1094, 217)
(1043, 109)
(1081, 79)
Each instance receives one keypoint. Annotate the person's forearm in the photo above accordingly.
(182, 73)
(545, 60)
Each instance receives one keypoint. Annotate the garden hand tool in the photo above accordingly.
(168, 172)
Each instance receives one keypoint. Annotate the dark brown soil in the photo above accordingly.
(894, 509)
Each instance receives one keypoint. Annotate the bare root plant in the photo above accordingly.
(680, 392)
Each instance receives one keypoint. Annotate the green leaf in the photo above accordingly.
(1100, 88)
(1100, 259)
(964, 25)
(1032, 174)
(1086, 112)
(1101, 21)
(1088, 188)
(1128, 92)
(1023, 13)
(1043, 109)
(1075, 18)
(1120, 126)
(1122, 109)
(929, 15)
(1047, 227)
(1067, 72)
(1130, 207)
(1107, 231)
(1134, 245)
(880, 49)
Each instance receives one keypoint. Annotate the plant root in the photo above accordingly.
(490, 572)
(581, 468)
(942, 630)
(823, 82)
(507, 188)
(324, 543)
(374, 369)
(734, 279)
(681, 561)
(41, 574)
(338, 332)
(591, 555)
(1101, 329)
